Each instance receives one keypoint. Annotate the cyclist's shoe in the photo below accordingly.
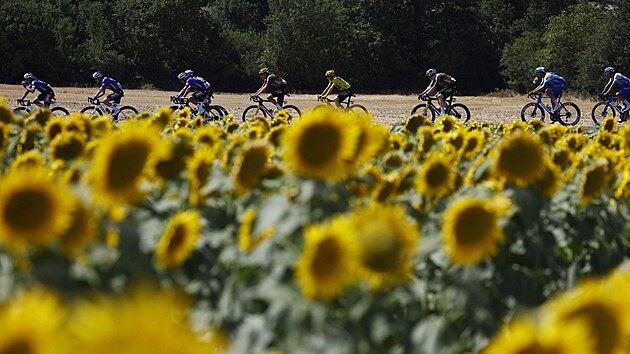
(623, 117)
(555, 116)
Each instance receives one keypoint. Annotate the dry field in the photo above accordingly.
(386, 109)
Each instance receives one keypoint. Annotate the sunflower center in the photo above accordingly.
(126, 164)
(327, 258)
(521, 158)
(20, 346)
(252, 167)
(437, 175)
(319, 145)
(603, 325)
(594, 181)
(381, 248)
(471, 145)
(177, 240)
(27, 210)
(473, 226)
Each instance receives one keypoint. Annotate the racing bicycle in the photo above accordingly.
(212, 112)
(260, 109)
(458, 110)
(350, 106)
(99, 108)
(608, 107)
(27, 107)
(567, 114)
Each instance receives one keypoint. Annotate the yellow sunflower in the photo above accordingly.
(178, 240)
(550, 180)
(593, 181)
(525, 337)
(520, 159)
(67, 146)
(274, 137)
(320, 144)
(371, 138)
(6, 113)
(625, 139)
(120, 162)
(388, 240)
(162, 118)
(4, 138)
(426, 140)
(608, 124)
(248, 240)
(31, 323)
(34, 209)
(470, 229)
(209, 135)
(413, 123)
(393, 160)
(174, 161)
(603, 312)
(102, 125)
(386, 188)
(623, 187)
(199, 168)
(446, 123)
(436, 177)
(145, 321)
(328, 261)
(29, 159)
(473, 144)
(29, 138)
(249, 167)
(54, 126)
(82, 230)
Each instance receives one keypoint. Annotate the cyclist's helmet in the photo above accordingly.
(29, 76)
(182, 75)
(539, 70)
(97, 75)
(263, 71)
(609, 70)
(189, 73)
(431, 72)
(330, 73)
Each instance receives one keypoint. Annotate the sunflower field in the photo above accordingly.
(330, 234)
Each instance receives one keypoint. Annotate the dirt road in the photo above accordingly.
(386, 109)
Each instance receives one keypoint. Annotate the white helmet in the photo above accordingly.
(97, 75)
(189, 73)
(182, 75)
(29, 76)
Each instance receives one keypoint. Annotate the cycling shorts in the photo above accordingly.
(46, 97)
(625, 92)
(342, 95)
(448, 90)
(557, 89)
(202, 95)
(115, 97)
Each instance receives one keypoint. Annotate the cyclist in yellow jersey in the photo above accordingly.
(337, 85)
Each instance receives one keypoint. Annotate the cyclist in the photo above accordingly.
(46, 93)
(273, 84)
(202, 91)
(442, 86)
(552, 84)
(337, 85)
(618, 85)
(107, 83)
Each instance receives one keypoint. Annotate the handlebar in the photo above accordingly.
(324, 99)
(179, 100)
(94, 100)
(256, 99)
(22, 102)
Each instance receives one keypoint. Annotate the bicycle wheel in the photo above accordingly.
(532, 111)
(91, 110)
(357, 108)
(212, 113)
(569, 114)
(294, 112)
(59, 112)
(174, 109)
(252, 111)
(222, 112)
(460, 111)
(21, 111)
(424, 110)
(126, 112)
(601, 111)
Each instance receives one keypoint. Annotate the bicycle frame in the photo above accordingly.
(262, 107)
(436, 109)
(346, 102)
(610, 102)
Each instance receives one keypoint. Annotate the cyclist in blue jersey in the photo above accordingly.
(274, 85)
(107, 83)
(201, 90)
(618, 85)
(551, 84)
(46, 93)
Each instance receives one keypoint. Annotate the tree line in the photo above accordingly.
(378, 45)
